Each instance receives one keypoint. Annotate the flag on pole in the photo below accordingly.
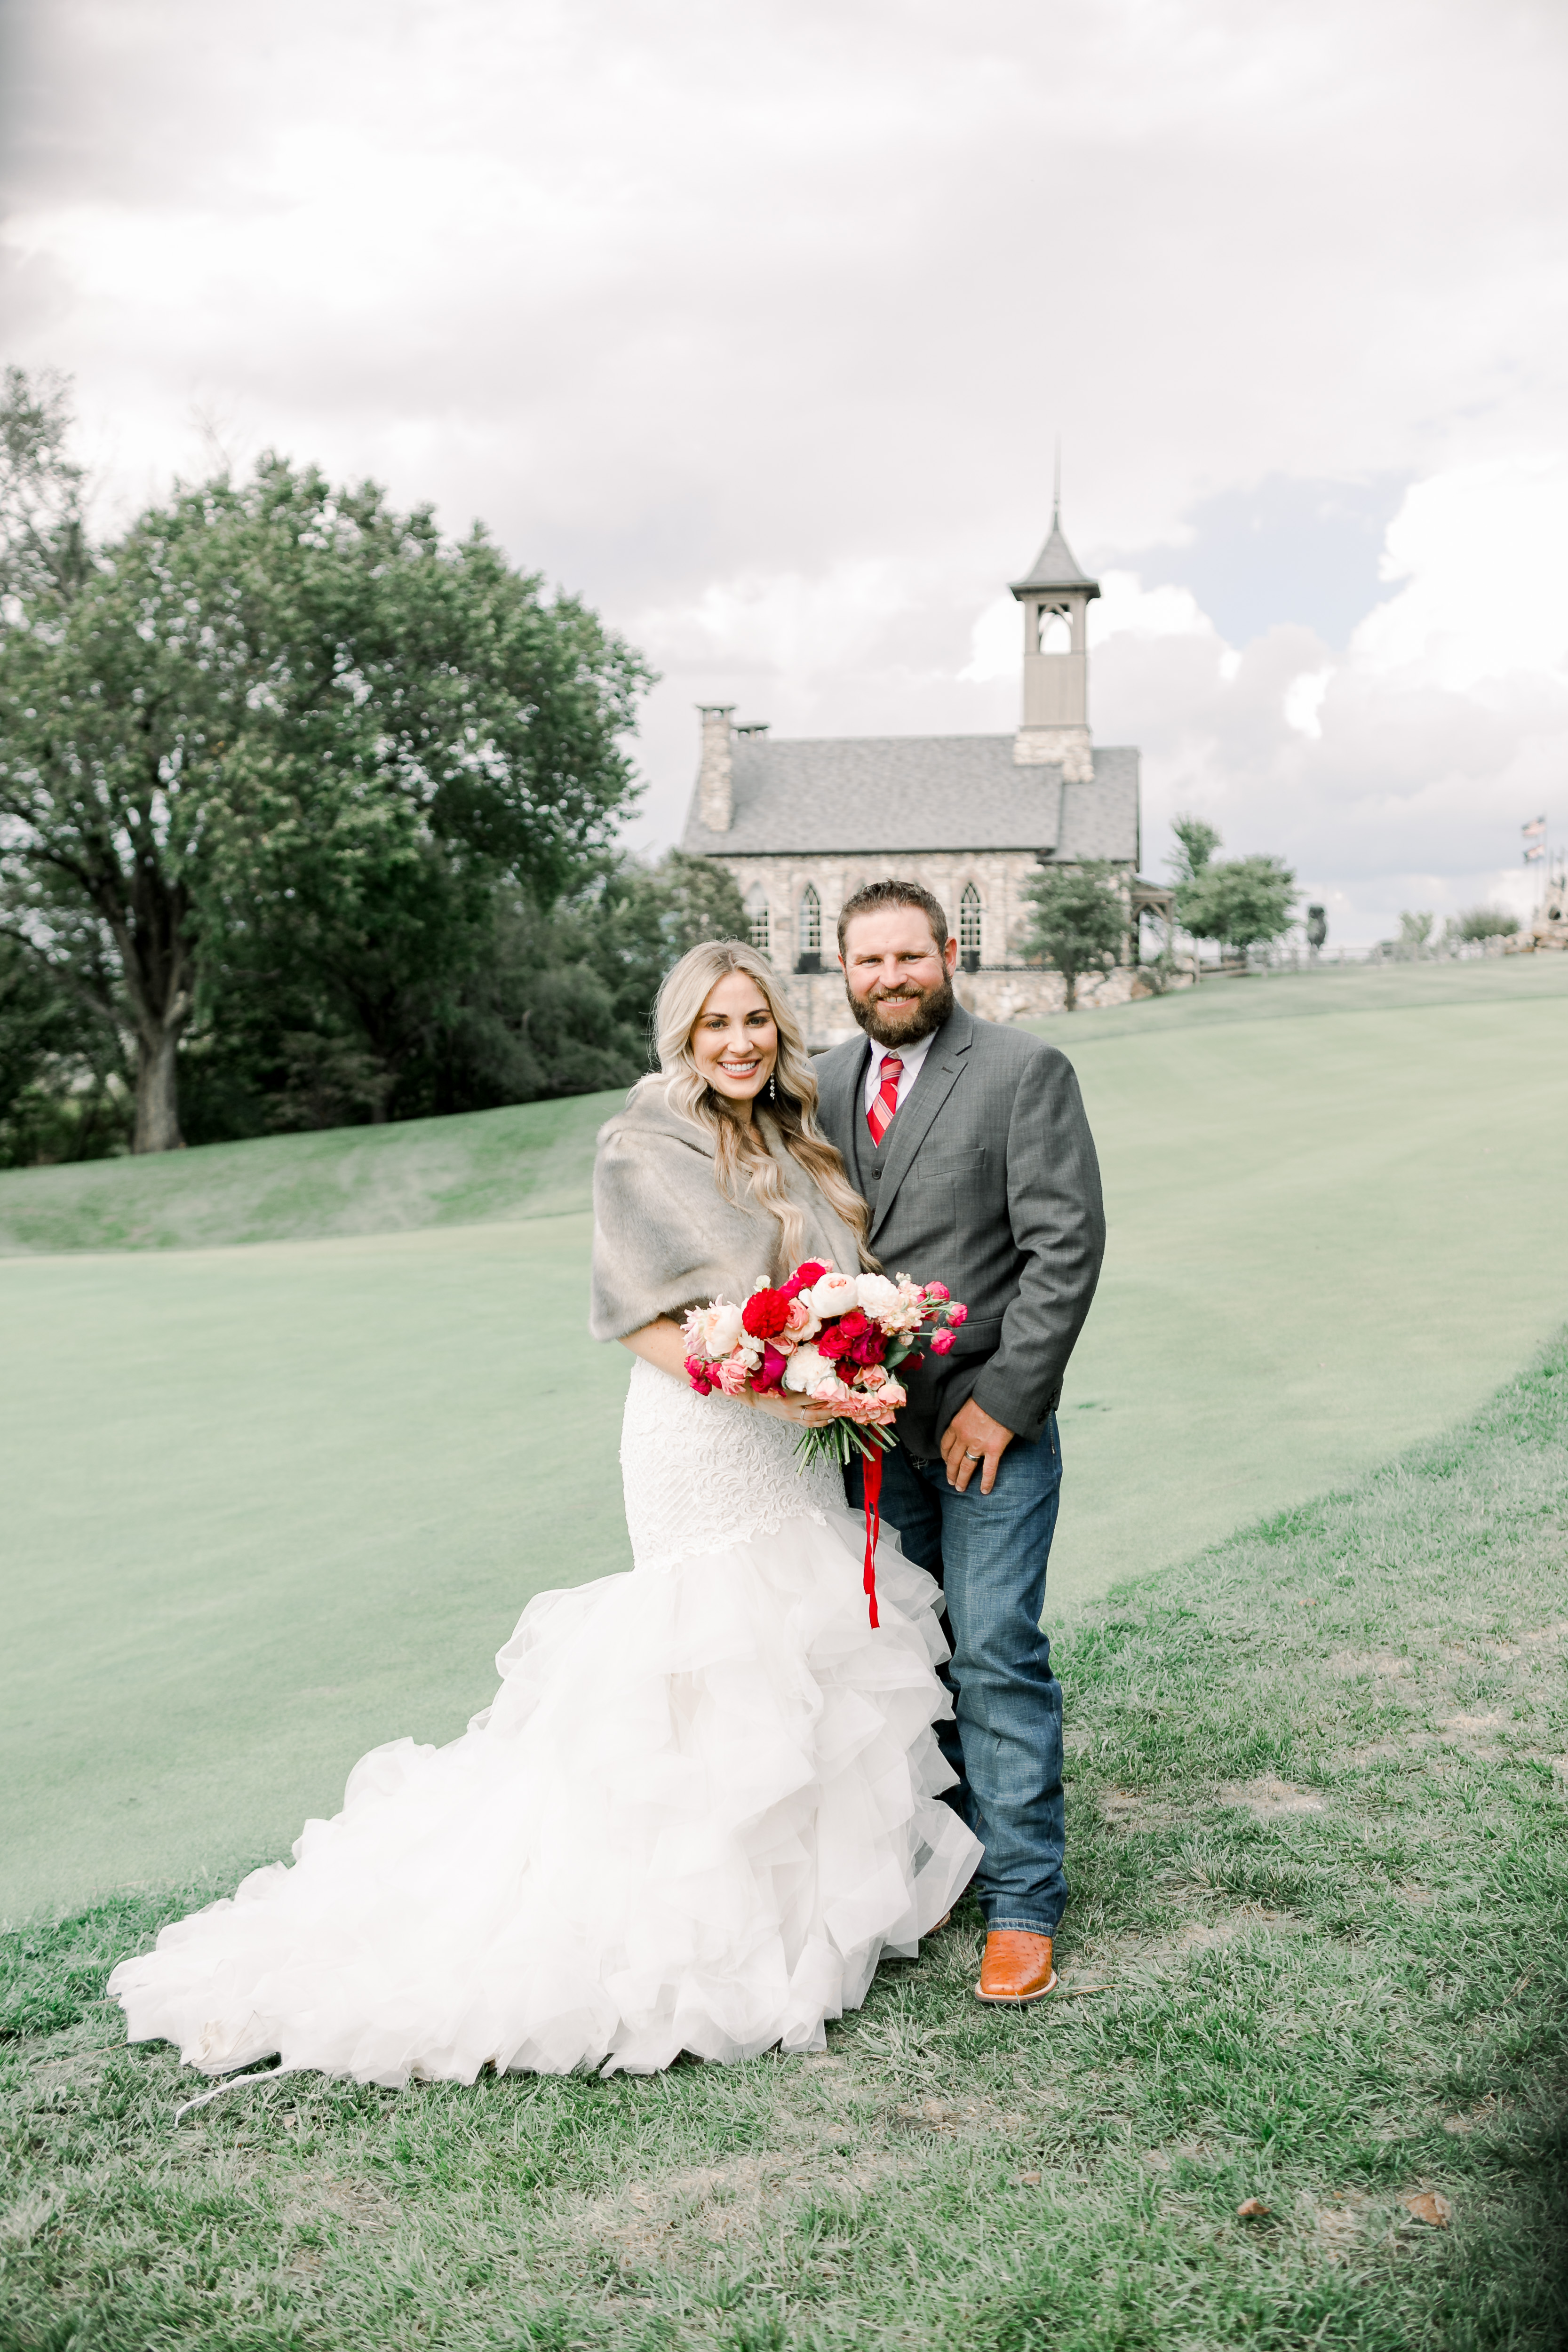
(1537, 825)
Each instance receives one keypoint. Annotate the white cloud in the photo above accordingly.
(1479, 551)
(995, 643)
(1125, 604)
(756, 324)
(1304, 701)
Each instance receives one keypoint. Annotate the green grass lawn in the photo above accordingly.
(535, 1160)
(266, 1506)
(1317, 1958)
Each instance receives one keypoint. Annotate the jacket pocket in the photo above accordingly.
(974, 1338)
(949, 1162)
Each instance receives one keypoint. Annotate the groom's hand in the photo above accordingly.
(971, 1442)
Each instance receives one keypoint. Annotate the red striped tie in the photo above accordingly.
(885, 1101)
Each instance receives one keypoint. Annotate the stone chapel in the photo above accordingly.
(802, 824)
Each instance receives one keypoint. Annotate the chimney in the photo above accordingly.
(714, 800)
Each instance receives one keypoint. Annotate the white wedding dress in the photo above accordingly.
(700, 1809)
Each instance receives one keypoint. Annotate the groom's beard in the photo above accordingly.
(898, 1025)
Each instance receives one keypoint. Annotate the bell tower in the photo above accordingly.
(1055, 594)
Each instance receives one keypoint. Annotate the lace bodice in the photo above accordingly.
(704, 1473)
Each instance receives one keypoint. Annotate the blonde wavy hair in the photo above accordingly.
(793, 1112)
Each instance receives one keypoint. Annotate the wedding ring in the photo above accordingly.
(974, 1454)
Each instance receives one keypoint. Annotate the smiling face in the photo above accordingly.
(735, 1042)
(898, 974)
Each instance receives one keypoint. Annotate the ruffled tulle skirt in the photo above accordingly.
(703, 1805)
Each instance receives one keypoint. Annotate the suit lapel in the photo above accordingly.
(940, 1073)
(840, 1090)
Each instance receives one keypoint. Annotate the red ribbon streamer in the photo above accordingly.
(872, 1466)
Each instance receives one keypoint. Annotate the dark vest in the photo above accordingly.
(865, 1157)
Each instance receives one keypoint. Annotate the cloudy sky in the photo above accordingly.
(756, 323)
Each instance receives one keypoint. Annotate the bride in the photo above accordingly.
(704, 1803)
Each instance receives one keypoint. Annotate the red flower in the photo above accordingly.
(870, 1347)
(773, 1370)
(804, 1275)
(835, 1341)
(855, 1324)
(765, 1313)
(701, 1373)
(941, 1343)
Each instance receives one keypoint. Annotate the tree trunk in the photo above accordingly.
(1070, 980)
(158, 1093)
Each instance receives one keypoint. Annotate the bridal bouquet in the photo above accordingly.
(838, 1339)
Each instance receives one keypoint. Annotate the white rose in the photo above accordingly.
(724, 1328)
(836, 1294)
(808, 1364)
(876, 1296)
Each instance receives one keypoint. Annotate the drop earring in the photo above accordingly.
(772, 1090)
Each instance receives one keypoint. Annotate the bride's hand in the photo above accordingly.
(796, 1409)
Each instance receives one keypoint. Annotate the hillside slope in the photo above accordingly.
(268, 1505)
(530, 1161)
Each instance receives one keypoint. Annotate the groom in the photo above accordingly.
(969, 1142)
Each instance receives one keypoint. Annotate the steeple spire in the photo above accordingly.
(1055, 592)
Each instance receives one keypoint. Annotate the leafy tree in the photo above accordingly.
(699, 900)
(526, 1001)
(1486, 923)
(62, 1091)
(1239, 901)
(1080, 921)
(285, 736)
(1195, 845)
(1414, 930)
(43, 529)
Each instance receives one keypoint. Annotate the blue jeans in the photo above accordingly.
(989, 1552)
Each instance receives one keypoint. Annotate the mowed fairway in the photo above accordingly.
(267, 1505)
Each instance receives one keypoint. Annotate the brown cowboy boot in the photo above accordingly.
(1017, 1965)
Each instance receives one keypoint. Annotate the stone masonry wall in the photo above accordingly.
(1003, 989)
(999, 876)
(823, 1011)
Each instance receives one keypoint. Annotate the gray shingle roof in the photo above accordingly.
(1056, 566)
(1101, 820)
(882, 794)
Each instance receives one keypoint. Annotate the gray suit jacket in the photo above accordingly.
(987, 1180)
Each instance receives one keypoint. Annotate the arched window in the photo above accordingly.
(969, 928)
(808, 933)
(757, 918)
(1055, 628)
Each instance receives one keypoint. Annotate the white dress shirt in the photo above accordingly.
(912, 1056)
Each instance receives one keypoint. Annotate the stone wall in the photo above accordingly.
(999, 876)
(1022, 993)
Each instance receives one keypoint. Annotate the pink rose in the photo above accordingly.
(957, 1314)
(941, 1343)
(938, 1290)
(732, 1377)
(802, 1324)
